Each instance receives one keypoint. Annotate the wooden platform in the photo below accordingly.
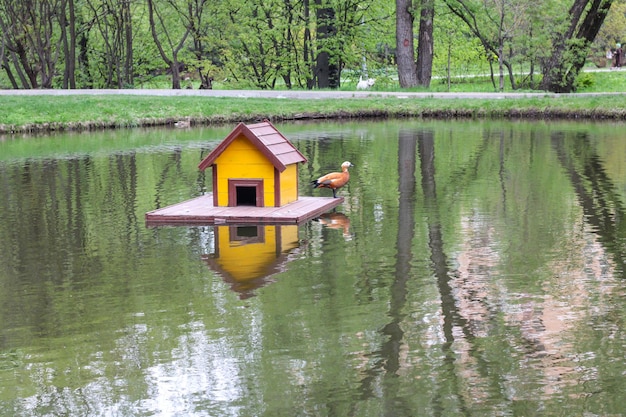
(200, 210)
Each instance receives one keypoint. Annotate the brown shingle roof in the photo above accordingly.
(276, 148)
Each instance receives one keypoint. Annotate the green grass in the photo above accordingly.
(27, 112)
(39, 113)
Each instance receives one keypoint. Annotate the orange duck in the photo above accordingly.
(334, 180)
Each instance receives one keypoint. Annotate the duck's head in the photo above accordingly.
(346, 165)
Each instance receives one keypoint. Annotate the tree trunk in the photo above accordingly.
(63, 23)
(425, 44)
(326, 69)
(7, 68)
(448, 67)
(72, 70)
(129, 76)
(405, 56)
(570, 48)
(175, 68)
(30, 73)
(83, 59)
(500, 66)
(307, 52)
(29, 35)
(172, 63)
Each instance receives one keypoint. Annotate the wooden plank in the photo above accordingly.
(200, 210)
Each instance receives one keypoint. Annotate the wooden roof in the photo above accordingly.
(267, 139)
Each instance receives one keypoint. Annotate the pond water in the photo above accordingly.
(475, 268)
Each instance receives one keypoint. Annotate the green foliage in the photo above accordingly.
(275, 44)
(584, 81)
(613, 31)
(458, 56)
(512, 34)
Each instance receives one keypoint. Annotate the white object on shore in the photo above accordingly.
(365, 84)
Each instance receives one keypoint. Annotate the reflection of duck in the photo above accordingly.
(334, 180)
(336, 221)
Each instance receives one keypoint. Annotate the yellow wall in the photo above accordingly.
(289, 238)
(289, 184)
(245, 261)
(241, 159)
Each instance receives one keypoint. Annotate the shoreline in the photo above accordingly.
(375, 105)
(530, 114)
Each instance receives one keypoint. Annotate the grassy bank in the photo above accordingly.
(49, 113)
(43, 113)
(86, 112)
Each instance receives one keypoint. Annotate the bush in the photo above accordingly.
(584, 80)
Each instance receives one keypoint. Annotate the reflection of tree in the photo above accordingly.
(457, 377)
(126, 170)
(468, 172)
(451, 316)
(406, 226)
(390, 350)
(597, 195)
(502, 171)
(173, 164)
(406, 221)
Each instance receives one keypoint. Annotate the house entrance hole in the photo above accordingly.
(246, 196)
(246, 232)
(244, 235)
(245, 192)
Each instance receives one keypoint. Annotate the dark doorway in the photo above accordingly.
(247, 234)
(246, 196)
(247, 231)
(245, 193)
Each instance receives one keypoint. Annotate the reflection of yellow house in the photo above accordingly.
(246, 256)
(255, 165)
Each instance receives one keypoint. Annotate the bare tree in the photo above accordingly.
(162, 33)
(68, 24)
(201, 35)
(494, 23)
(112, 20)
(30, 38)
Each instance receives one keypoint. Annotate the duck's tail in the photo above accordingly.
(315, 184)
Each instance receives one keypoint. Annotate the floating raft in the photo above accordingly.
(201, 210)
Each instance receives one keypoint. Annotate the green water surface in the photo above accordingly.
(475, 268)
